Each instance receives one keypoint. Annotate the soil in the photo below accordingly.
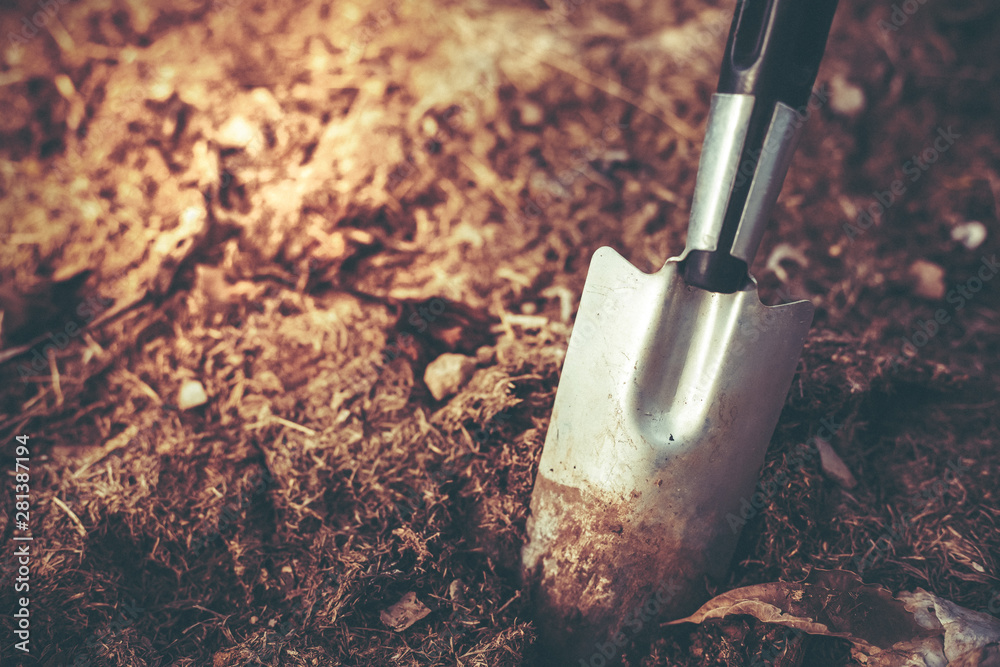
(293, 208)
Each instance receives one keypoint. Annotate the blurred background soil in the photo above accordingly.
(236, 233)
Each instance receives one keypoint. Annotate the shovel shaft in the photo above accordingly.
(772, 57)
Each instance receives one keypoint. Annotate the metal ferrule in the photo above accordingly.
(721, 169)
(779, 148)
(728, 122)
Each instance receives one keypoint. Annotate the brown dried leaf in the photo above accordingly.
(914, 629)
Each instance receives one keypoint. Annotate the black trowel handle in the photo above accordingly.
(773, 53)
(775, 48)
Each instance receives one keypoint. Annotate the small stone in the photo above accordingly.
(446, 374)
(236, 133)
(65, 86)
(191, 395)
(833, 466)
(485, 355)
(929, 279)
(456, 590)
(846, 98)
(429, 126)
(970, 234)
(531, 114)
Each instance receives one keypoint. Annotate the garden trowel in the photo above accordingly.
(673, 382)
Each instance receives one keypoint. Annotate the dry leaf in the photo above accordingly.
(916, 629)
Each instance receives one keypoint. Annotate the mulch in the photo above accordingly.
(299, 207)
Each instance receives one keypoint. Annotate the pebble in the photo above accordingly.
(531, 114)
(237, 132)
(929, 278)
(456, 590)
(191, 395)
(446, 374)
(846, 98)
(429, 126)
(485, 355)
(970, 234)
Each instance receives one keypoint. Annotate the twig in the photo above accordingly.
(54, 370)
(616, 89)
(72, 515)
(116, 442)
(293, 425)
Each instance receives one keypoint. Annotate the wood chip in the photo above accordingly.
(833, 466)
(404, 613)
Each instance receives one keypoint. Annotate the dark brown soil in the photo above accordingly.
(299, 206)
